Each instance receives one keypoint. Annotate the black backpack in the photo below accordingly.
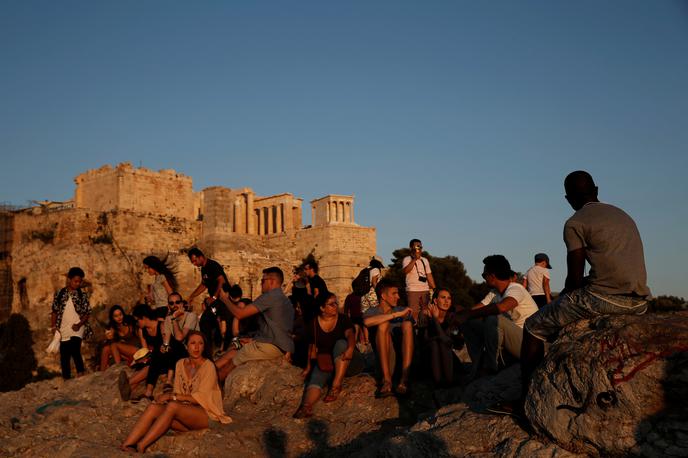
(361, 284)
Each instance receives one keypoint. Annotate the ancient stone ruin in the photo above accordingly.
(121, 214)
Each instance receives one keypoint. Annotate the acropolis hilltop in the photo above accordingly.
(121, 214)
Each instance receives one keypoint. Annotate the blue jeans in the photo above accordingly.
(318, 378)
(578, 305)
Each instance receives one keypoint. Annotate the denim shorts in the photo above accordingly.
(318, 378)
(577, 305)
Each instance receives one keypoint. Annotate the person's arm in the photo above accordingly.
(180, 332)
(412, 262)
(235, 327)
(167, 287)
(223, 328)
(525, 282)
(220, 282)
(199, 289)
(312, 354)
(238, 312)
(144, 344)
(167, 397)
(83, 319)
(545, 287)
(575, 265)
(431, 281)
(350, 335)
(384, 317)
(508, 303)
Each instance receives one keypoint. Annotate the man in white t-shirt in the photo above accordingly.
(495, 324)
(536, 280)
(419, 280)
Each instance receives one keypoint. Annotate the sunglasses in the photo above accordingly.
(174, 302)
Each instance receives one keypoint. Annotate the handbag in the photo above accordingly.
(324, 360)
(54, 345)
(369, 300)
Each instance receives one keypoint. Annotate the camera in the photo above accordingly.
(422, 279)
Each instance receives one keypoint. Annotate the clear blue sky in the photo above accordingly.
(451, 121)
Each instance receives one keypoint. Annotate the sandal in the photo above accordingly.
(385, 390)
(123, 385)
(304, 411)
(402, 389)
(333, 394)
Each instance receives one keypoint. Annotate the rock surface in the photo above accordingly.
(84, 417)
(616, 386)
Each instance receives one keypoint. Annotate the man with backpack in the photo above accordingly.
(361, 287)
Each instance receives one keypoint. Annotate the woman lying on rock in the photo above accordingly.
(122, 339)
(194, 402)
(332, 340)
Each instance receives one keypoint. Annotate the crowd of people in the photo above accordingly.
(371, 331)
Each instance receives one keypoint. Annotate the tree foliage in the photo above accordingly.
(448, 272)
(667, 303)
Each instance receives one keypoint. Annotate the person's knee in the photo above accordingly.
(383, 328)
(339, 348)
(407, 327)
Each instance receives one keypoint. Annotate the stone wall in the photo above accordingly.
(121, 215)
(109, 246)
(6, 284)
(145, 191)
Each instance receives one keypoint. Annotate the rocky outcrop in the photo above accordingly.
(616, 386)
(612, 386)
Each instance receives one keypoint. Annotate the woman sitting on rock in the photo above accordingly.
(151, 334)
(195, 401)
(122, 339)
(332, 340)
(439, 338)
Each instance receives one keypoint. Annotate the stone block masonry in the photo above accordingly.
(122, 214)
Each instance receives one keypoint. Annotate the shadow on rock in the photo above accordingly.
(666, 432)
(275, 443)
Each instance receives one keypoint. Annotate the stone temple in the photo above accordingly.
(121, 214)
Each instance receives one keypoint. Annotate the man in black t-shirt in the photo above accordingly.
(214, 311)
(316, 285)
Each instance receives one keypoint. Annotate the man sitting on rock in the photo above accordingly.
(608, 239)
(391, 321)
(275, 321)
(493, 325)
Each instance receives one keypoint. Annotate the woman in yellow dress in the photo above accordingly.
(195, 401)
